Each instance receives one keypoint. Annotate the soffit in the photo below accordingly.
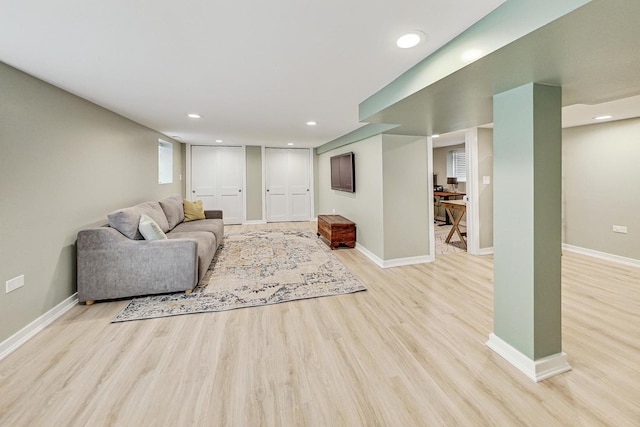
(591, 52)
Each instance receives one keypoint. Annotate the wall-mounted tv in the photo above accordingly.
(343, 176)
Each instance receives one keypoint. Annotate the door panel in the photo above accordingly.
(276, 184)
(230, 161)
(216, 179)
(287, 181)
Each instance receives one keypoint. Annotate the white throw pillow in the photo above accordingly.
(150, 230)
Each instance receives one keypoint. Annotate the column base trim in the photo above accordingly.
(537, 370)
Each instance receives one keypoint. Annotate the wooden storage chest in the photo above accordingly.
(337, 230)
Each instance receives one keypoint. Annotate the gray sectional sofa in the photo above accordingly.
(115, 261)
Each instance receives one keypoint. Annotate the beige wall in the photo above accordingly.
(254, 183)
(601, 184)
(390, 205)
(364, 207)
(64, 164)
(406, 196)
(485, 196)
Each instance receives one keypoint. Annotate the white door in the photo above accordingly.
(287, 184)
(276, 183)
(216, 179)
(203, 175)
(299, 199)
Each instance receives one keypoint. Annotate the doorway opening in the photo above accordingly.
(450, 171)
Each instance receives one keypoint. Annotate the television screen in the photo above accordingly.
(343, 173)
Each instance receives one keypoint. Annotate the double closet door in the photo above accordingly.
(288, 180)
(216, 179)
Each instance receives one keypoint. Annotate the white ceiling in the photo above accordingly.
(255, 71)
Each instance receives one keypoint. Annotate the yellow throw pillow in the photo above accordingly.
(193, 210)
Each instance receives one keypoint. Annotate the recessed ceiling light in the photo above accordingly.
(435, 135)
(471, 55)
(311, 123)
(602, 117)
(175, 137)
(410, 40)
(194, 116)
(290, 143)
(218, 140)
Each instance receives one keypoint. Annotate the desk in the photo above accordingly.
(452, 206)
(447, 195)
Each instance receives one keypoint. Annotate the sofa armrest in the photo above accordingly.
(213, 214)
(110, 265)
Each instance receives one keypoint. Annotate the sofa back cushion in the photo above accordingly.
(172, 207)
(127, 220)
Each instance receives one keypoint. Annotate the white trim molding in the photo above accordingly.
(254, 221)
(602, 255)
(473, 190)
(25, 334)
(485, 251)
(537, 370)
(398, 262)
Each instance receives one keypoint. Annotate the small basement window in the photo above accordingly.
(165, 162)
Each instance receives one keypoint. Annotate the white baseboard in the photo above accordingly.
(485, 251)
(393, 262)
(537, 370)
(373, 257)
(603, 255)
(255, 221)
(25, 334)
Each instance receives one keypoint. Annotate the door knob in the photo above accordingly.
(267, 190)
(240, 190)
(193, 191)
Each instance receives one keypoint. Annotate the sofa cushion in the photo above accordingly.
(173, 210)
(127, 220)
(206, 249)
(150, 230)
(193, 210)
(215, 226)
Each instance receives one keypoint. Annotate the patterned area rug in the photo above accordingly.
(255, 268)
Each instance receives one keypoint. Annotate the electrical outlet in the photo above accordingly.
(486, 180)
(15, 283)
(333, 210)
(620, 229)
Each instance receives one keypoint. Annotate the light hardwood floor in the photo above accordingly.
(410, 351)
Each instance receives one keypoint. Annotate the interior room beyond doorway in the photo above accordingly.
(449, 184)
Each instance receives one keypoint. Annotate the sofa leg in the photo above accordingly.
(188, 291)
(90, 302)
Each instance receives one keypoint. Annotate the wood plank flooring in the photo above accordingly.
(410, 351)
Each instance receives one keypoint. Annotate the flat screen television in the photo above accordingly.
(343, 176)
